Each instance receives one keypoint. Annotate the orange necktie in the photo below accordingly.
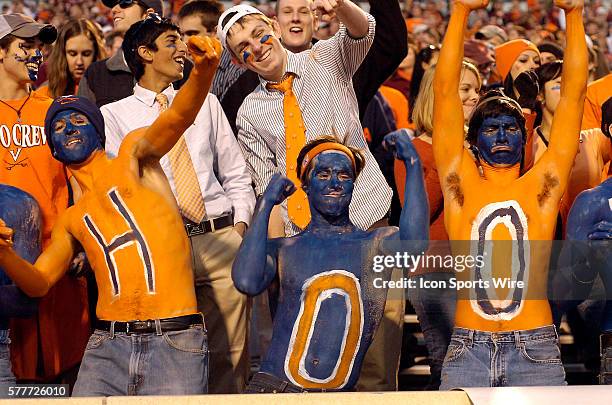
(189, 195)
(295, 139)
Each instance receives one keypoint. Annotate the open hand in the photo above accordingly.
(569, 5)
(400, 144)
(205, 52)
(279, 188)
(6, 236)
(472, 4)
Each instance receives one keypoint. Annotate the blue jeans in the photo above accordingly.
(6, 375)
(435, 309)
(503, 359)
(605, 373)
(172, 363)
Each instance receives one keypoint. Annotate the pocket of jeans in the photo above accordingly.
(192, 340)
(96, 340)
(456, 348)
(542, 351)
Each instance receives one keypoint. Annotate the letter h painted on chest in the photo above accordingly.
(133, 236)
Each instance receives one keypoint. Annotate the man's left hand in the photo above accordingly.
(240, 228)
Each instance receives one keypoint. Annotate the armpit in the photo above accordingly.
(550, 182)
(453, 182)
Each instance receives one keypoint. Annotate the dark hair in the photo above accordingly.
(423, 56)
(209, 12)
(6, 41)
(143, 33)
(359, 156)
(493, 104)
(547, 72)
(606, 117)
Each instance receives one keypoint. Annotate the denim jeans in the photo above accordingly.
(503, 359)
(172, 363)
(6, 375)
(605, 373)
(435, 309)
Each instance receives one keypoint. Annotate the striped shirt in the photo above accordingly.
(226, 75)
(324, 89)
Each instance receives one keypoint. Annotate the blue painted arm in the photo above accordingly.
(414, 219)
(255, 264)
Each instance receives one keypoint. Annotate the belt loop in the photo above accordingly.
(517, 338)
(212, 225)
(471, 338)
(112, 330)
(158, 330)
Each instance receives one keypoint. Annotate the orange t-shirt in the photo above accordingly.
(597, 94)
(399, 105)
(61, 329)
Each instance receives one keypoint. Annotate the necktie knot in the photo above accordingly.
(162, 101)
(284, 86)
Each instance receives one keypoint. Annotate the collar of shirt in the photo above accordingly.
(295, 65)
(147, 96)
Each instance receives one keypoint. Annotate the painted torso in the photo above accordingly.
(135, 241)
(499, 206)
(328, 308)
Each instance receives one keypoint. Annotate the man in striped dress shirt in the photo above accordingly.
(323, 88)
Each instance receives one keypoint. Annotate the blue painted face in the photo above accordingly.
(32, 62)
(500, 141)
(74, 137)
(330, 184)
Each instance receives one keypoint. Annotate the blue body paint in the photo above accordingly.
(20, 212)
(308, 340)
(35, 59)
(76, 139)
(500, 141)
(590, 219)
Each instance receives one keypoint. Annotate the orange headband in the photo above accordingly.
(322, 147)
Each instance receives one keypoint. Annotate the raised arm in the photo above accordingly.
(163, 134)
(448, 132)
(349, 14)
(255, 264)
(36, 280)
(565, 131)
(414, 219)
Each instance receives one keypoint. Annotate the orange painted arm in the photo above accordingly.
(448, 132)
(163, 134)
(565, 131)
(36, 280)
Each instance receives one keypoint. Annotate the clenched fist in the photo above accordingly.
(6, 236)
(205, 53)
(279, 189)
(569, 5)
(472, 4)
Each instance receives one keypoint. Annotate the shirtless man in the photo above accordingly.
(329, 304)
(590, 219)
(150, 338)
(509, 342)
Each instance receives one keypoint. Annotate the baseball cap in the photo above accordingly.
(154, 4)
(230, 16)
(477, 51)
(22, 26)
(490, 31)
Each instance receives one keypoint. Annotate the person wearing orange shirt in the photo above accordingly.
(503, 336)
(150, 338)
(597, 93)
(47, 346)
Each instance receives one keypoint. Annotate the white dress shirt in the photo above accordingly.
(217, 160)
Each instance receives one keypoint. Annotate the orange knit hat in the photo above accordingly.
(506, 54)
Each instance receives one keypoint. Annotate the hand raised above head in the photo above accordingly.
(6, 236)
(472, 4)
(279, 188)
(569, 5)
(400, 144)
(205, 52)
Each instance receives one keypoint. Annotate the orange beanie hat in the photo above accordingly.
(506, 54)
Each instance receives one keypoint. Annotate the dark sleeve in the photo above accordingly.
(389, 48)
(235, 95)
(14, 303)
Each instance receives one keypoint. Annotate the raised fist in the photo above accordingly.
(279, 188)
(205, 52)
(569, 5)
(472, 4)
(326, 9)
(6, 236)
(400, 144)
